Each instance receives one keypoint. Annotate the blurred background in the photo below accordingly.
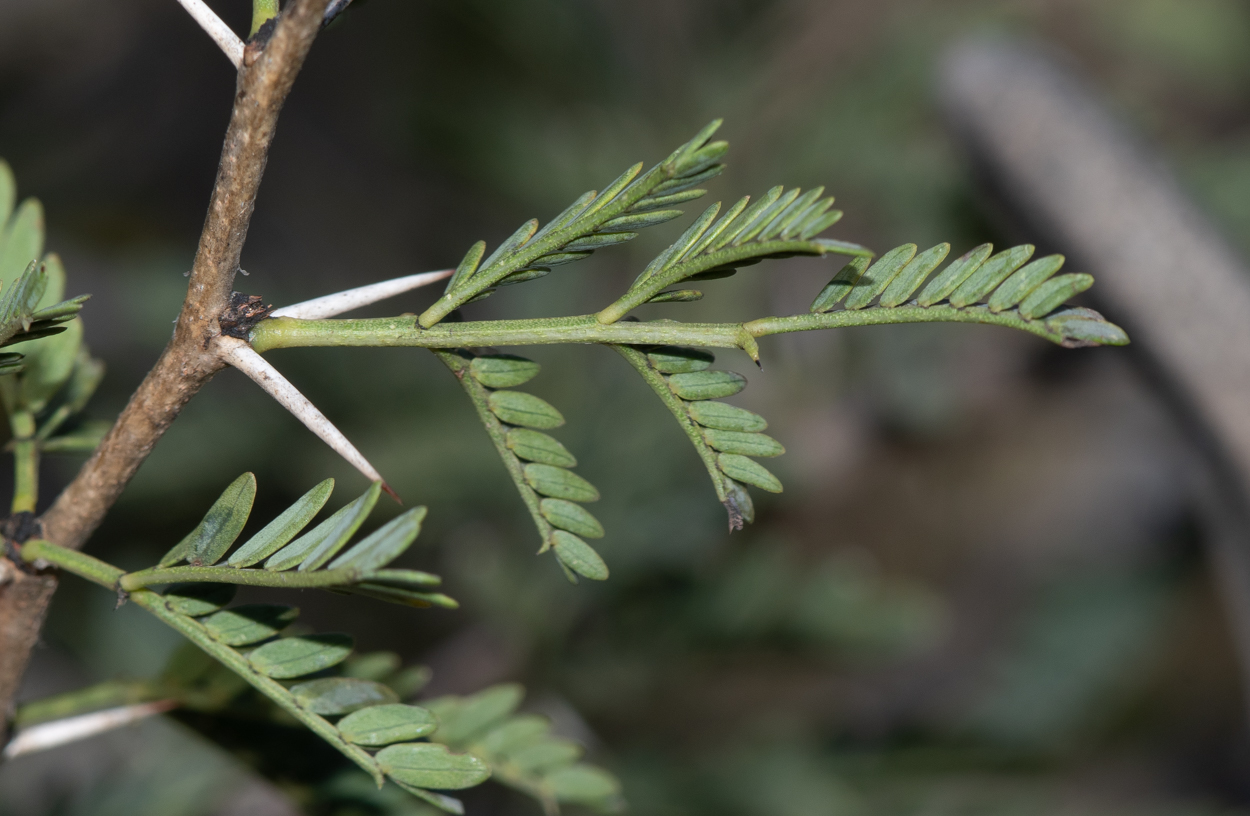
(985, 590)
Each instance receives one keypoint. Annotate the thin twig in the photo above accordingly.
(345, 301)
(218, 30)
(72, 729)
(240, 355)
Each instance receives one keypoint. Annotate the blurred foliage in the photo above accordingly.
(904, 632)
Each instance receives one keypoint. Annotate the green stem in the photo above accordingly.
(674, 404)
(285, 332)
(81, 564)
(195, 632)
(499, 437)
(262, 12)
(292, 579)
(25, 462)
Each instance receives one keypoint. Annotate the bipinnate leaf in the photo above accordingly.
(578, 556)
(387, 724)
(298, 656)
(429, 765)
(220, 526)
(385, 544)
(250, 623)
(526, 410)
(277, 533)
(503, 370)
(197, 600)
(572, 517)
(335, 696)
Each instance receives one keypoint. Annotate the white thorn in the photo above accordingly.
(219, 31)
(345, 301)
(71, 729)
(240, 355)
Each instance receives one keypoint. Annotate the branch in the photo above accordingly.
(266, 75)
(218, 30)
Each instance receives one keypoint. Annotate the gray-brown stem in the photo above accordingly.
(189, 361)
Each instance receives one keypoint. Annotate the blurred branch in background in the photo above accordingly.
(1050, 151)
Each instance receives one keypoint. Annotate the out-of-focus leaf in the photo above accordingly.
(333, 696)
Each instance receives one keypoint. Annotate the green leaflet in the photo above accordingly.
(1085, 327)
(560, 483)
(1052, 294)
(878, 276)
(468, 265)
(582, 784)
(277, 533)
(641, 220)
(706, 385)
(954, 274)
(673, 360)
(387, 724)
(250, 623)
(337, 536)
(725, 417)
(333, 531)
(372, 666)
(516, 732)
(909, 279)
(678, 296)
(536, 446)
(49, 363)
(8, 194)
(462, 719)
(1023, 281)
(503, 370)
(578, 556)
(196, 600)
(219, 528)
(427, 765)
(742, 469)
(546, 754)
(335, 696)
(840, 286)
(993, 272)
(572, 517)
(298, 656)
(747, 444)
(526, 410)
(384, 545)
(22, 241)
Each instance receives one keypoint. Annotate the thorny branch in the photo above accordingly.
(266, 74)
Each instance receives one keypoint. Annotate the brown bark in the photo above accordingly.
(190, 360)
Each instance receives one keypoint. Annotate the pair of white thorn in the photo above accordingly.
(240, 354)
